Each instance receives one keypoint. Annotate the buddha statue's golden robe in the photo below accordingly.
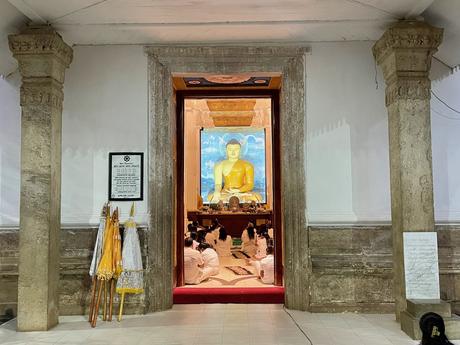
(238, 179)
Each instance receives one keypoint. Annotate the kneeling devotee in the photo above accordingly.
(224, 243)
(193, 263)
(210, 238)
(248, 239)
(210, 259)
(265, 268)
(262, 244)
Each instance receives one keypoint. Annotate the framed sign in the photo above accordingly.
(126, 176)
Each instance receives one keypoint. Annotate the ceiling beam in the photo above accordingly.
(419, 7)
(237, 22)
(28, 11)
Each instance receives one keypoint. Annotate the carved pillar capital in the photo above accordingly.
(41, 52)
(406, 49)
(42, 93)
(403, 88)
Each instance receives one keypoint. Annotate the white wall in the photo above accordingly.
(10, 149)
(347, 136)
(445, 131)
(106, 109)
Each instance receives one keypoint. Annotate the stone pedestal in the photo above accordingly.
(43, 57)
(410, 318)
(404, 53)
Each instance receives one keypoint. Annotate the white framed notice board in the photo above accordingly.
(126, 176)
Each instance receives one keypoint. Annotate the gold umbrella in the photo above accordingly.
(116, 258)
(116, 247)
(106, 268)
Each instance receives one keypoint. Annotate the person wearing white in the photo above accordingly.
(210, 238)
(215, 227)
(224, 243)
(194, 236)
(248, 240)
(270, 229)
(261, 247)
(270, 232)
(210, 259)
(215, 232)
(265, 268)
(193, 261)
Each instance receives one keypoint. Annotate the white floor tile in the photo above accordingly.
(219, 324)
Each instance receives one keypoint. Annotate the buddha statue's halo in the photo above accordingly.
(241, 138)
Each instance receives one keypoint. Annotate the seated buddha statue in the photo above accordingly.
(237, 176)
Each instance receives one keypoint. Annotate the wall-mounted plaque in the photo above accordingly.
(421, 265)
(126, 176)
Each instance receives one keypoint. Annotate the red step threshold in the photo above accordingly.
(193, 295)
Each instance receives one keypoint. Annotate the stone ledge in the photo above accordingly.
(379, 308)
(418, 307)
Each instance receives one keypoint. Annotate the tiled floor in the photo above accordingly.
(227, 278)
(220, 324)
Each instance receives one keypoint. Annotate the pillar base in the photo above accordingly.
(410, 318)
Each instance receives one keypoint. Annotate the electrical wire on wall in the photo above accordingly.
(444, 115)
(443, 102)
(9, 75)
(454, 118)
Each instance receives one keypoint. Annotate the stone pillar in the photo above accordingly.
(297, 277)
(162, 190)
(404, 53)
(43, 57)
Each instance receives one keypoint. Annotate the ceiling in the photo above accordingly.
(220, 21)
(200, 110)
(446, 14)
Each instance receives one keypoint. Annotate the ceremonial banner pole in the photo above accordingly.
(121, 306)
(93, 297)
(112, 285)
(96, 308)
(104, 315)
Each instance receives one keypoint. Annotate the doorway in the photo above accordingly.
(206, 121)
(164, 64)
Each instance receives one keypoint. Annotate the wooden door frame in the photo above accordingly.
(277, 223)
